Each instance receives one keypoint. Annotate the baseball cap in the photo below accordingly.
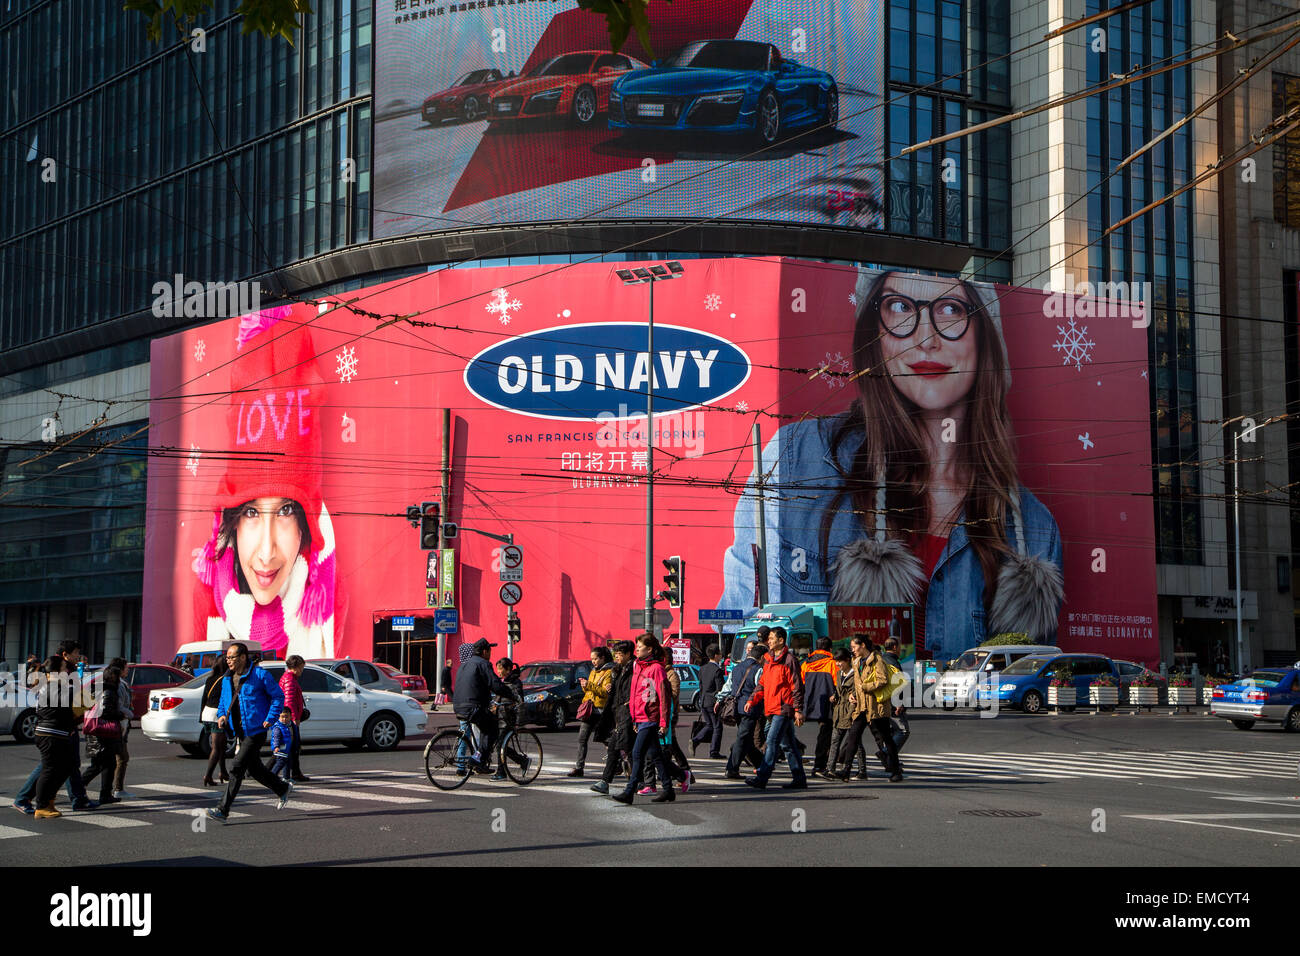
(481, 643)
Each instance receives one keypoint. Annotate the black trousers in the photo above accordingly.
(614, 758)
(822, 750)
(711, 731)
(104, 766)
(249, 761)
(58, 762)
(743, 748)
(295, 770)
(881, 731)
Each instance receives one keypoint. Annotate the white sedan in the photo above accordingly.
(340, 711)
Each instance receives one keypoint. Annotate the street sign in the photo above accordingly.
(510, 594)
(721, 615)
(446, 620)
(681, 648)
(512, 556)
(511, 574)
(636, 618)
(450, 530)
(403, 624)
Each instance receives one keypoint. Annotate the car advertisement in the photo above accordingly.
(511, 112)
(979, 452)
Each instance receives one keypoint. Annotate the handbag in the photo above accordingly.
(209, 715)
(587, 712)
(728, 713)
(305, 716)
(99, 727)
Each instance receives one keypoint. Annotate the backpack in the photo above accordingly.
(894, 679)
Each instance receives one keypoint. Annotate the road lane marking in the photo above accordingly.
(355, 795)
(10, 833)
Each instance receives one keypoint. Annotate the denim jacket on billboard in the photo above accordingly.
(803, 481)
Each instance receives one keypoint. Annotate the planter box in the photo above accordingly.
(1063, 696)
(1183, 696)
(1144, 696)
(1101, 695)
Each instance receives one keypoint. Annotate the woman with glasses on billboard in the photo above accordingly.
(911, 495)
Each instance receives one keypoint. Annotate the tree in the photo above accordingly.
(279, 18)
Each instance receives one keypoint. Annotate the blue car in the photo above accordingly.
(689, 696)
(725, 86)
(1271, 695)
(1023, 684)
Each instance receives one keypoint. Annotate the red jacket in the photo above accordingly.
(780, 688)
(648, 702)
(292, 696)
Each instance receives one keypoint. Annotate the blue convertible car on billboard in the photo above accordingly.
(725, 86)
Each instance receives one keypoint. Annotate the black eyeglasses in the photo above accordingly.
(900, 315)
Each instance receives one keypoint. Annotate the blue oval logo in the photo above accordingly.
(601, 371)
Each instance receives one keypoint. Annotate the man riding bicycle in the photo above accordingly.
(475, 685)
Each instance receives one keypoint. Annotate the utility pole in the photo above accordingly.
(441, 644)
(762, 518)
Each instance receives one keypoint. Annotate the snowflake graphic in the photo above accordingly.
(834, 363)
(192, 464)
(742, 406)
(503, 306)
(1074, 345)
(200, 349)
(346, 369)
(853, 298)
(713, 301)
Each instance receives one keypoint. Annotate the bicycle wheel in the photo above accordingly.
(522, 755)
(446, 771)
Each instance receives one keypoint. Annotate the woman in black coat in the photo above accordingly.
(615, 728)
(216, 734)
(56, 727)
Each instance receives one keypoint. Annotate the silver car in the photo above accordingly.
(17, 708)
(361, 672)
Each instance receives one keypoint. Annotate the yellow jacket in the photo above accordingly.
(599, 683)
(869, 675)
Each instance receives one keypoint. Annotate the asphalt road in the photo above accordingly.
(1082, 789)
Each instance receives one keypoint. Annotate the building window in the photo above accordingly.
(1286, 154)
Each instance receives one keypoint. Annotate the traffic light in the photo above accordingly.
(430, 516)
(674, 579)
(512, 627)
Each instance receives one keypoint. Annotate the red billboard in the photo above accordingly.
(967, 448)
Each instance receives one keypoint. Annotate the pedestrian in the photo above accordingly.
(33, 667)
(870, 677)
(294, 665)
(56, 724)
(779, 696)
(898, 722)
(507, 710)
(445, 681)
(104, 732)
(210, 702)
(123, 752)
(843, 718)
(710, 686)
(74, 665)
(679, 768)
(615, 726)
(819, 686)
(250, 701)
(744, 678)
(649, 705)
(595, 698)
(282, 738)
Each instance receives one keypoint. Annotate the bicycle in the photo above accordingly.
(449, 764)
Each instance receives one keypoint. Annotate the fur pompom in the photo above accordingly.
(256, 322)
(318, 598)
(1028, 599)
(877, 572)
(205, 563)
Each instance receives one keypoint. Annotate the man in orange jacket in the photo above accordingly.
(780, 695)
(820, 676)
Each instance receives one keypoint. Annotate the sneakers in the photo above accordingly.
(214, 813)
(499, 775)
(85, 804)
(24, 806)
(284, 797)
(103, 800)
(47, 812)
(600, 786)
(647, 791)
(123, 795)
(895, 778)
(575, 772)
(621, 797)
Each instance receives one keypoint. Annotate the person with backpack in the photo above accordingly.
(871, 708)
(103, 729)
(819, 685)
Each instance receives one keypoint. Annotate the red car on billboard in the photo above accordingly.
(466, 99)
(574, 85)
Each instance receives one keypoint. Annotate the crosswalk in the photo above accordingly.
(158, 803)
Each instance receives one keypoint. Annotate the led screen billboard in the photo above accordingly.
(990, 434)
(500, 112)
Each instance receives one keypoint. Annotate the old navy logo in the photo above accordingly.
(590, 372)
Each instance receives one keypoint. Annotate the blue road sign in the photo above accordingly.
(446, 620)
(403, 623)
(721, 615)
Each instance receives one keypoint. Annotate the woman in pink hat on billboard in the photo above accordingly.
(267, 573)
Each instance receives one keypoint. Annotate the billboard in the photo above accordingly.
(501, 112)
(975, 431)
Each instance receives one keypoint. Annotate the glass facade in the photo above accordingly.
(1155, 248)
(1286, 154)
(958, 191)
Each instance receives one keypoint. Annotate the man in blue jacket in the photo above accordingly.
(251, 701)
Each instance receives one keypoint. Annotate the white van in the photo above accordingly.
(956, 687)
(201, 655)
